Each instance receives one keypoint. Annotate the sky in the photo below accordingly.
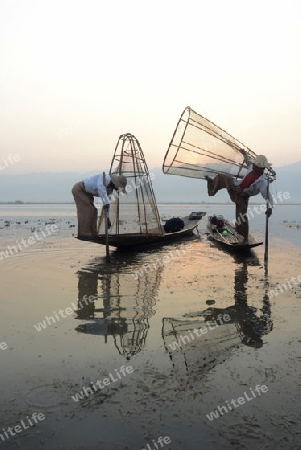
(75, 75)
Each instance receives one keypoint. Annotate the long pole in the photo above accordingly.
(108, 258)
(266, 250)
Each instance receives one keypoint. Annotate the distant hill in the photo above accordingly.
(295, 167)
(56, 187)
(288, 178)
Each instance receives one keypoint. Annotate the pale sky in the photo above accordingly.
(77, 74)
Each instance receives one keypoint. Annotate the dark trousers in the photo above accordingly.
(222, 181)
(86, 211)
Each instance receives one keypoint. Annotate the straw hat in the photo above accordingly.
(261, 161)
(119, 181)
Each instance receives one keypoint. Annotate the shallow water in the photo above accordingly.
(98, 320)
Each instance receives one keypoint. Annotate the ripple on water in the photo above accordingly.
(44, 396)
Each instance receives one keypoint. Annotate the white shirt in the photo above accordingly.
(259, 186)
(94, 186)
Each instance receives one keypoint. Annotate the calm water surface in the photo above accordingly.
(70, 320)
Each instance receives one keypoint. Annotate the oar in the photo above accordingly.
(105, 213)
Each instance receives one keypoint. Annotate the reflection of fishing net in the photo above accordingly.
(130, 301)
(200, 148)
(198, 354)
(135, 212)
(124, 302)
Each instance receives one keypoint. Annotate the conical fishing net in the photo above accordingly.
(136, 211)
(200, 148)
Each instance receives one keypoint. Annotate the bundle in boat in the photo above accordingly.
(199, 148)
(134, 213)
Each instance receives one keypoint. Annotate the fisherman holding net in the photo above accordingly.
(101, 185)
(239, 191)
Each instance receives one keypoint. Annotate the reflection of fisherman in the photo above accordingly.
(84, 192)
(250, 327)
(240, 190)
(224, 326)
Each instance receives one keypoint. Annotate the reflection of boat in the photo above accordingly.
(134, 216)
(224, 329)
(223, 232)
(120, 304)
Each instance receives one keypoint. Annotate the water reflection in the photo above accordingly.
(227, 328)
(115, 301)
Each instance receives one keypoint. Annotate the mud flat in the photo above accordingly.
(69, 320)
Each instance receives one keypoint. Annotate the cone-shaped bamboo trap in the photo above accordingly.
(200, 148)
(136, 211)
(134, 216)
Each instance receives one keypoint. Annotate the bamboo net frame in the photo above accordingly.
(199, 148)
(136, 212)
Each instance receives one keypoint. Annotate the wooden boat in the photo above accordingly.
(134, 216)
(128, 240)
(223, 232)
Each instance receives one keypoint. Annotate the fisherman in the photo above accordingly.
(253, 183)
(101, 185)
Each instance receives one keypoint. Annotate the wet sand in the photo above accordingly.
(132, 319)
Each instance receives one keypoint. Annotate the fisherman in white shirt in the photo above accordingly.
(101, 185)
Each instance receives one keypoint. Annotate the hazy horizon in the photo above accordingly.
(52, 187)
